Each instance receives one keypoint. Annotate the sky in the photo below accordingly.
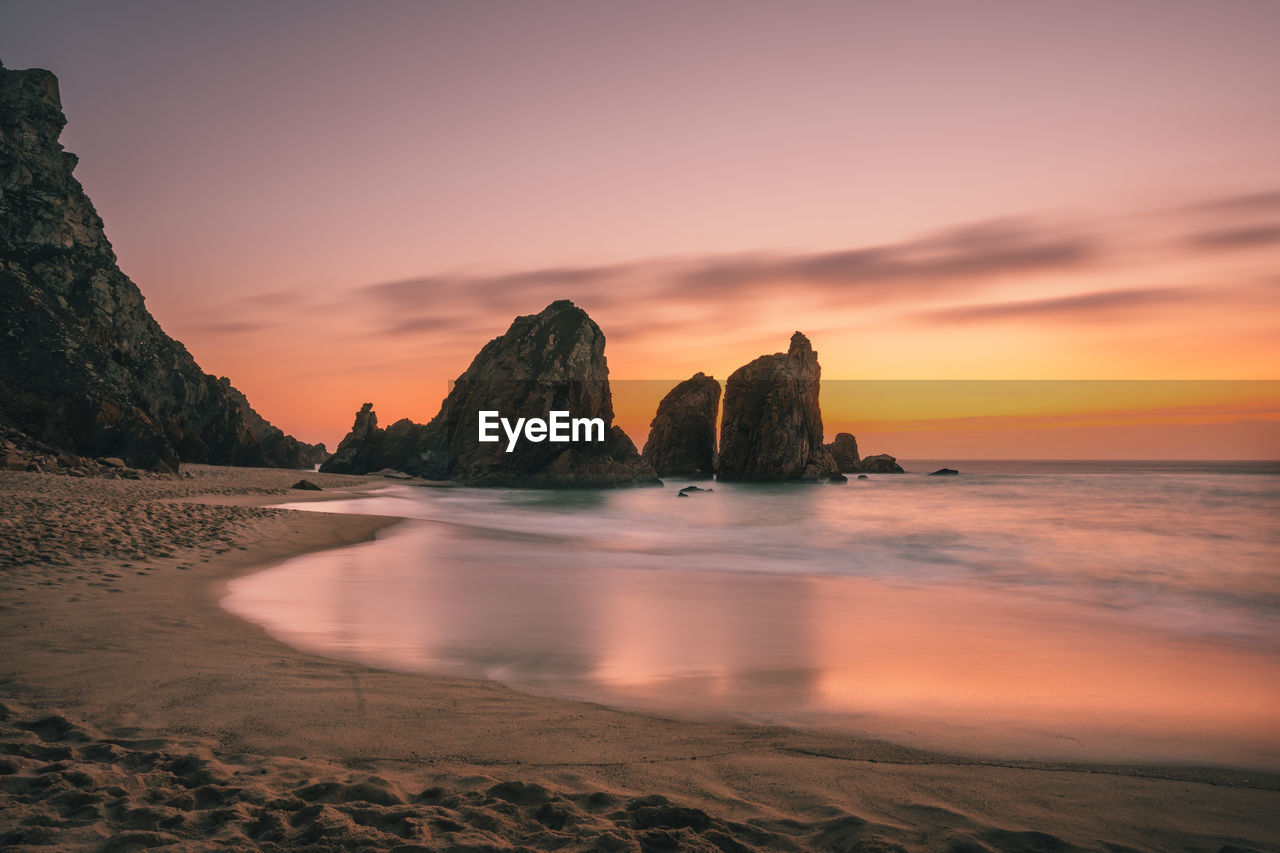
(340, 202)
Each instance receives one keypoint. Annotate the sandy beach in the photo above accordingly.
(135, 713)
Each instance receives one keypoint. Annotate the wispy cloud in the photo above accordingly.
(1244, 237)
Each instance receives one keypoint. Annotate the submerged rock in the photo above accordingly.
(682, 435)
(84, 367)
(545, 362)
(881, 463)
(687, 490)
(944, 472)
(844, 450)
(772, 427)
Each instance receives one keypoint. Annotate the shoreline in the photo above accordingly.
(147, 652)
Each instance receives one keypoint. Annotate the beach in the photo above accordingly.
(137, 713)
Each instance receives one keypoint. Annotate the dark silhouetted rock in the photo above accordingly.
(550, 361)
(684, 493)
(307, 486)
(844, 450)
(944, 472)
(771, 428)
(83, 365)
(837, 478)
(881, 463)
(862, 476)
(682, 435)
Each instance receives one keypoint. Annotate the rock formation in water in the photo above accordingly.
(550, 361)
(881, 463)
(844, 450)
(771, 428)
(682, 435)
(83, 365)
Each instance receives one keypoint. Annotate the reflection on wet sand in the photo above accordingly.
(942, 664)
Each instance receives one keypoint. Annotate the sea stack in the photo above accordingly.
(682, 435)
(771, 429)
(84, 367)
(545, 362)
(881, 463)
(844, 450)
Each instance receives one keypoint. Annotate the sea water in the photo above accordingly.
(1102, 611)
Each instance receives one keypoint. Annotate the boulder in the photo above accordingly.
(84, 367)
(687, 490)
(545, 362)
(771, 428)
(306, 486)
(881, 463)
(682, 435)
(844, 450)
(944, 472)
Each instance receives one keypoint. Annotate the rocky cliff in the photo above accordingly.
(771, 427)
(83, 365)
(550, 361)
(682, 435)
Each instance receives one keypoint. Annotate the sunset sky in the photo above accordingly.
(334, 203)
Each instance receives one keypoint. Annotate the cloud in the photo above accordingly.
(1266, 200)
(959, 256)
(232, 327)
(951, 261)
(1244, 237)
(1082, 306)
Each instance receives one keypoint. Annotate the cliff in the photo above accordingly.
(83, 365)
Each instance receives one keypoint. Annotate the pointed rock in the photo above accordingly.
(771, 428)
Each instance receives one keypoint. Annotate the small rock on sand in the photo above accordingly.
(307, 486)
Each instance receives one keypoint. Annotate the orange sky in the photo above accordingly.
(334, 203)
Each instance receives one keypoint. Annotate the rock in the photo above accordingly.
(306, 486)
(550, 361)
(772, 427)
(682, 435)
(837, 478)
(15, 462)
(881, 463)
(684, 493)
(84, 367)
(131, 474)
(845, 451)
(68, 460)
(113, 462)
(944, 472)
(862, 476)
(392, 474)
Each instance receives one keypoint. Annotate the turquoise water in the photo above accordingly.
(1121, 611)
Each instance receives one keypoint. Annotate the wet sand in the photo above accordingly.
(138, 714)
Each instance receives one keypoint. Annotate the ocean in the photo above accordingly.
(1068, 611)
